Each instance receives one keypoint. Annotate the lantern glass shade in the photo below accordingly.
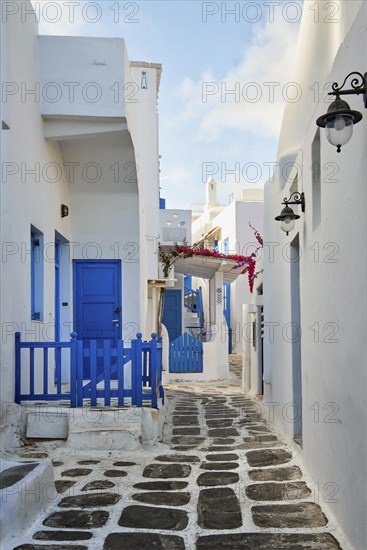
(339, 129)
(287, 224)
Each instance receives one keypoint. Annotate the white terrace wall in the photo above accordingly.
(332, 275)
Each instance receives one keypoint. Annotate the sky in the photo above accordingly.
(227, 75)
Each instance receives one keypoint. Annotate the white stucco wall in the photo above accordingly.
(27, 198)
(332, 277)
(114, 217)
(91, 85)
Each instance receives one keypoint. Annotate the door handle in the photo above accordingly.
(116, 321)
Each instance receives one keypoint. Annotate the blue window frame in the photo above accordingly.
(226, 246)
(36, 274)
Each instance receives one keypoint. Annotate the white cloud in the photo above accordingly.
(66, 18)
(261, 82)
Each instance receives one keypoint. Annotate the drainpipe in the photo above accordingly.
(247, 309)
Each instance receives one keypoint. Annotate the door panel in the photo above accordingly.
(97, 303)
(172, 313)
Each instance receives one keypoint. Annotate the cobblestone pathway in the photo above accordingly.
(220, 480)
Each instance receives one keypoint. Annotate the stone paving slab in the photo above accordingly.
(278, 491)
(177, 458)
(98, 485)
(147, 517)
(62, 535)
(90, 500)
(219, 466)
(222, 457)
(143, 541)
(75, 519)
(268, 457)
(163, 499)
(275, 474)
(166, 471)
(50, 547)
(290, 516)
(265, 541)
(211, 479)
(63, 485)
(161, 485)
(77, 472)
(219, 509)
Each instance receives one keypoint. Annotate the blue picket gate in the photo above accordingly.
(186, 354)
(99, 388)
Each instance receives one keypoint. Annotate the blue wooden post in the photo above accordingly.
(79, 373)
(45, 371)
(73, 369)
(120, 373)
(139, 369)
(160, 367)
(107, 372)
(31, 372)
(58, 368)
(153, 370)
(18, 381)
(93, 373)
(133, 372)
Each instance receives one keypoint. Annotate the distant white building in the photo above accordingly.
(314, 281)
(203, 309)
(79, 194)
(226, 228)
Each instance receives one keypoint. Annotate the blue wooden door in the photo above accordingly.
(227, 313)
(97, 304)
(172, 313)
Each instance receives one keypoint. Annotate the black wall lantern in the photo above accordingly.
(339, 119)
(64, 210)
(287, 216)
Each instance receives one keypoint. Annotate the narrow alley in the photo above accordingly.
(219, 480)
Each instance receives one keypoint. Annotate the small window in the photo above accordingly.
(226, 246)
(36, 274)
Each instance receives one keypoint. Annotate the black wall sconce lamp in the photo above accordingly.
(64, 210)
(287, 216)
(339, 119)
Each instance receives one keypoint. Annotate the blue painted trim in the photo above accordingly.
(57, 291)
(227, 313)
(17, 368)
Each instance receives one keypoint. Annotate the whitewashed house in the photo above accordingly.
(315, 351)
(79, 198)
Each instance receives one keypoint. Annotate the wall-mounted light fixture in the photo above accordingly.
(287, 216)
(339, 119)
(64, 210)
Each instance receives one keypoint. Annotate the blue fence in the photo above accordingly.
(186, 354)
(103, 386)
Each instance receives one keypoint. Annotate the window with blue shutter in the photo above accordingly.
(36, 274)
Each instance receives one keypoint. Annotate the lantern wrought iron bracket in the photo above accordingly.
(358, 83)
(296, 198)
